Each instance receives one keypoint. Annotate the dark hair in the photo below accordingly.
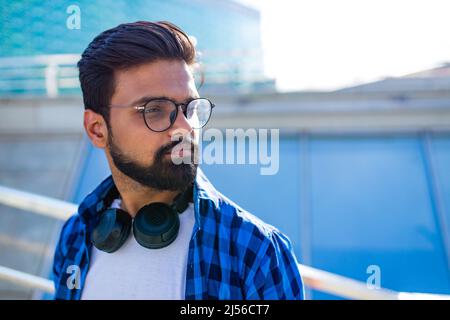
(127, 45)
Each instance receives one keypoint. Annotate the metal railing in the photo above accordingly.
(314, 278)
(50, 74)
(46, 73)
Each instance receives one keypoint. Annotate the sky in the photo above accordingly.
(329, 44)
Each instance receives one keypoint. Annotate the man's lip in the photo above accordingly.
(180, 154)
(186, 147)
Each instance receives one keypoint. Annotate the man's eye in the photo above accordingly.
(152, 110)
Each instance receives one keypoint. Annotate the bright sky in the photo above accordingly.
(327, 44)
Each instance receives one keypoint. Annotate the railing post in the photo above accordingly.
(51, 79)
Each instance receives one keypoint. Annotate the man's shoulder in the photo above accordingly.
(75, 227)
(225, 211)
(72, 230)
(239, 218)
(67, 248)
(253, 242)
(245, 230)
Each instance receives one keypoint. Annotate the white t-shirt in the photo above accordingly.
(136, 273)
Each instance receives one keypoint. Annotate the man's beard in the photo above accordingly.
(163, 174)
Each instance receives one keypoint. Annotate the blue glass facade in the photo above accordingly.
(39, 27)
(227, 33)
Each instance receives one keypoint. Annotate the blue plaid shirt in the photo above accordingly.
(232, 254)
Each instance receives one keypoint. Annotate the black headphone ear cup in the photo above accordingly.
(156, 225)
(112, 230)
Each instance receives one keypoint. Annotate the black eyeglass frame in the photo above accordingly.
(184, 107)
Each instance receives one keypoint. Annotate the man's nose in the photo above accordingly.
(181, 124)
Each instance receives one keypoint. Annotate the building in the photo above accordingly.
(227, 35)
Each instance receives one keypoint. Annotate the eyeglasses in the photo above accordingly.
(160, 114)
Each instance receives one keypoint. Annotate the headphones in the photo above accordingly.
(155, 225)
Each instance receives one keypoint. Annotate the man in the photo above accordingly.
(141, 107)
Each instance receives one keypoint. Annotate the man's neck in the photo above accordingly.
(134, 195)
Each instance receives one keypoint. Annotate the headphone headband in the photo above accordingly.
(181, 201)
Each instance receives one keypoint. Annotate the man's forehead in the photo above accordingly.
(161, 78)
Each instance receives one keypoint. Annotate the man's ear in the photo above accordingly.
(95, 127)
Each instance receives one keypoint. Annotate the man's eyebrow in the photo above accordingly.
(144, 99)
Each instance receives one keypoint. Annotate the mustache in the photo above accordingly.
(168, 147)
